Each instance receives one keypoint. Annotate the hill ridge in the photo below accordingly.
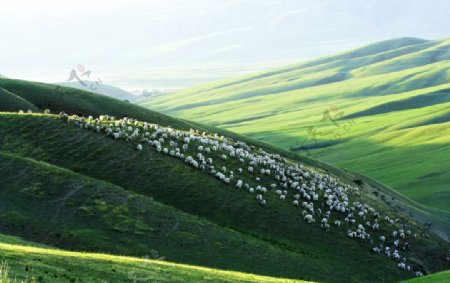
(300, 107)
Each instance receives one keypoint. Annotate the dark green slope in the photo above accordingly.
(152, 174)
(60, 208)
(75, 101)
(12, 102)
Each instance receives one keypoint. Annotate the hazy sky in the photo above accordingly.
(145, 44)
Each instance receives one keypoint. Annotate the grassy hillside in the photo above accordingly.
(300, 254)
(370, 110)
(273, 240)
(29, 262)
(75, 212)
(439, 277)
(12, 102)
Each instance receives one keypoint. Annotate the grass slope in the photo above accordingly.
(440, 277)
(11, 102)
(55, 206)
(302, 250)
(29, 262)
(371, 110)
(47, 139)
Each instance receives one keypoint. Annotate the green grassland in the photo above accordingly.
(29, 262)
(78, 190)
(382, 110)
(440, 277)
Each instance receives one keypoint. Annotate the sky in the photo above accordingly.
(175, 43)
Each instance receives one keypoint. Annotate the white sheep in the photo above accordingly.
(309, 218)
(291, 177)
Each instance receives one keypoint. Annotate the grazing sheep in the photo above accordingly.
(396, 255)
(317, 189)
(376, 250)
(309, 218)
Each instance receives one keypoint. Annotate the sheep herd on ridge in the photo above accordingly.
(322, 200)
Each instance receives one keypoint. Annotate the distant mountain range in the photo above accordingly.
(102, 88)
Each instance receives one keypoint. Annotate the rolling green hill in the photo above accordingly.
(382, 110)
(12, 102)
(77, 189)
(29, 262)
(91, 215)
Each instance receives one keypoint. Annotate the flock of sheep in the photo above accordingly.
(321, 198)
